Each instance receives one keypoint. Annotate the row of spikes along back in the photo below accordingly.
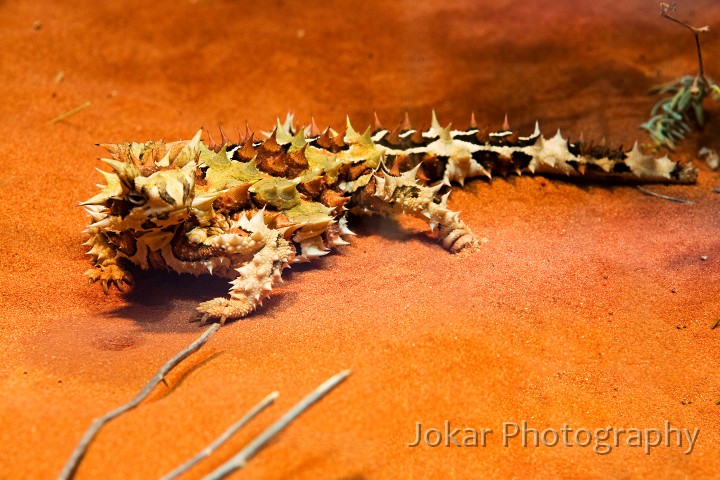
(282, 153)
(500, 153)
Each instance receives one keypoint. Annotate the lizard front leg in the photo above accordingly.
(256, 277)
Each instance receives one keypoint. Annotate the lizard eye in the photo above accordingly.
(136, 199)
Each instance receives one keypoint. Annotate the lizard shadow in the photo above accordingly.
(404, 229)
(160, 301)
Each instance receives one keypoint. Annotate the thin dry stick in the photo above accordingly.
(664, 197)
(72, 464)
(218, 442)
(70, 113)
(241, 458)
(664, 8)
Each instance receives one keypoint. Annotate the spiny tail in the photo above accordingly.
(453, 155)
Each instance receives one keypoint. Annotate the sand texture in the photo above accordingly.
(587, 305)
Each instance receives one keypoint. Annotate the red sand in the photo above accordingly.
(588, 306)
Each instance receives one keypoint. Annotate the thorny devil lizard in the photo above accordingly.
(246, 211)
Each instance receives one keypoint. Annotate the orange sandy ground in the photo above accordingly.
(588, 305)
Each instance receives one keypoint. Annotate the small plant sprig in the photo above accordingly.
(681, 107)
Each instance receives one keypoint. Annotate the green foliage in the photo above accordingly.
(680, 109)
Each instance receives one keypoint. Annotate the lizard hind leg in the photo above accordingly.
(403, 194)
(255, 278)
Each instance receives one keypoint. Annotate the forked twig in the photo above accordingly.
(664, 8)
(218, 442)
(72, 464)
(242, 457)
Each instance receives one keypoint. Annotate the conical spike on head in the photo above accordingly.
(165, 161)
(112, 148)
(99, 199)
(506, 124)
(135, 159)
(105, 222)
(189, 151)
(109, 177)
(189, 168)
(116, 165)
(96, 213)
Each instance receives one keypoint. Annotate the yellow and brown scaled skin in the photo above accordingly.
(247, 210)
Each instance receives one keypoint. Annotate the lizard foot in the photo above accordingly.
(109, 275)
(221, 309)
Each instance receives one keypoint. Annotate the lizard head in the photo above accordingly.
(131, 200)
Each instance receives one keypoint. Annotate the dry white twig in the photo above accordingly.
(72, 464)
(218, 442)
(241, 458)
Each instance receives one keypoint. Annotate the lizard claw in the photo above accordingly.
(109, 275)
(223, 309)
